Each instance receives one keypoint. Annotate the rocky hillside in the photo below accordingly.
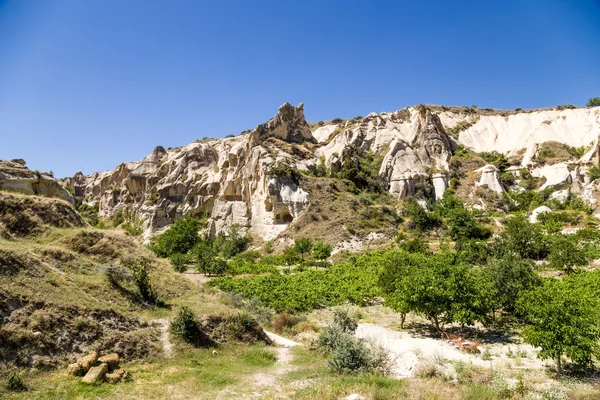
(263, 180)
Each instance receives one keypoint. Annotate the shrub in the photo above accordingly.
(180, 238)
(115, 274)
(142, 281)
(428, 370)
(185, 325)
(286, 321)
(14, 383)
(262, 313)
(352, 355)
(321, 251)
(594, 173)
(344, 321)
(178, 261)
(593, 102)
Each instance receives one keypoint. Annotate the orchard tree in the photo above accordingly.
(180, 238)
(564, 319)
(510, 276)
(321, 250)
(566, 253)
(303, 246)
(435, 286)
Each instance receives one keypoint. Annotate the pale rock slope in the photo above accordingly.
(250, 181)
(16, 177)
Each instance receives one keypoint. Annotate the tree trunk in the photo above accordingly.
(402, 319)
(436, 322)
(558, 366)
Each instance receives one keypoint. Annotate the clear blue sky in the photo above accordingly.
(88, 84)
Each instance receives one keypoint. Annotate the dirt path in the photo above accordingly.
(164, 336)
(266, 383)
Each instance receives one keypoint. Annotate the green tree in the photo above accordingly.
(303, 246)
(563, 319)
(510, 276)
(290, 256)
(522, 238)
(593, 102)
(321, 250)
(180, 238)
(204, 253)
(566, 253)
(435, 286)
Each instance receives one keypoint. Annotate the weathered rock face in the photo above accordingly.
(232, 181)
(16, 177)
(225, 179)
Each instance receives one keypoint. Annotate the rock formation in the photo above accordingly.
(251, 180)
(16, 177)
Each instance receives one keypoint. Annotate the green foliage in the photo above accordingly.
(355, 282)
(499, 160)
(321, 251)
(281, 168)
(421, 219)
(14, 383)
(436, 286)
(142, 281)
(361, 168)
(233, 243)
(564, 319)
(348, 353)
(522, 238)
(594, 172)
(459, 221)
(510, 277)
(180, 238)
(179, 261)
(416, 245)
(566, 253)
(593, 102)
(185, 325)
(303, 245)
(290, 256)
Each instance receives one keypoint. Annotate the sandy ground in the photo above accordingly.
(408, 351)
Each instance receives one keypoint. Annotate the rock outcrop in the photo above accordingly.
(251, 180)
(16, 177)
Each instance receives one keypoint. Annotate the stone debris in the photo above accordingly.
(97, 369)
(95, 374)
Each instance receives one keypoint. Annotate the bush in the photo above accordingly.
(346, 323)
(178, 261)
(185, 325)
(593, 102)
(303, 245)
(14, 383)
(352, 355)
(115, 274)
(428, 370)
(262, 313)
(180, 238)
(321, 251)
(286, 321)
(142, 281)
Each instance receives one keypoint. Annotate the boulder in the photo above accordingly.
(116, 376)
(112, 360)
(75, 369)
(95, 374)
(88, 361)
(533, 218)
(490, 177)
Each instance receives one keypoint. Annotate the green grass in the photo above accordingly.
(188, 374)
